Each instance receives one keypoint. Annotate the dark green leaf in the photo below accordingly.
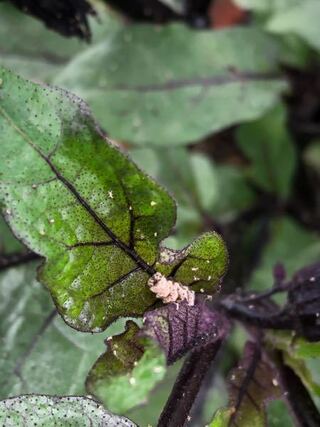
(270, 151)
(49, 411)
(123, 376)
(73, 198)
(179, 86)
(80, 203)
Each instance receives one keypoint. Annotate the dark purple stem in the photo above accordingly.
(298, 397)
(187, 386)
(15, 259)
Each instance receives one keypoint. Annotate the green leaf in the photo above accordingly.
(298, 354)
(38, 351)
(289, 244)
(73, 198)
(221, 418)
(50, 411)
(269, 148)
(123, 376)
(202, 187)
(278, 414)
(34, 50)
(143, 86)
(301, 19)
(267, 5)
(8, 243)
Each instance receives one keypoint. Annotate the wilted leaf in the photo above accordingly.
(271, 152)
(168, 99)
(179, 328)
(124, 375)
(38, 351)
(50, 411)
(301, 18)
(73, 198)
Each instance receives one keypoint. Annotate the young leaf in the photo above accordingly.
(38, 351)
(50, 411)
(167, 99)
(264, 142)
(73, 198)
(179, 328)
(251, 385)
(124, 375)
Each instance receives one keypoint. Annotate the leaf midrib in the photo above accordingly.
(130, 252)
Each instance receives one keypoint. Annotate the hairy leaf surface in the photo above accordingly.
(251, 385)
(74, 198)
(123, 377)
(179, 328)
(38, 351)
(50, 411)
(167, 98)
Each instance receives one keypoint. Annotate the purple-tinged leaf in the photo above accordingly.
(251, 385)
(304, 301)
(181, 327)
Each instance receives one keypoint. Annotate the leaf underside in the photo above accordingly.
(74, 198)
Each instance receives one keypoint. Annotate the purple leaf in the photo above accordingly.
(251, 384)
(304, 301)
(180, 327)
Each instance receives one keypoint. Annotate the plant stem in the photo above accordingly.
(12, 260)
(187, 385)
(298, 397)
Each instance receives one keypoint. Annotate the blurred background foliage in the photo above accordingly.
(220, 102)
